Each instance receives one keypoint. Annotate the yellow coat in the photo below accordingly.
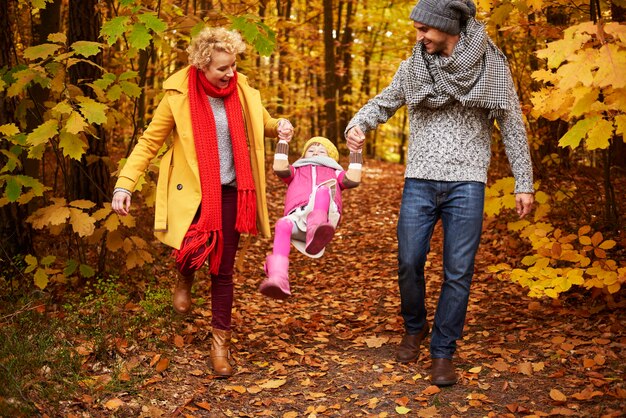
(178, 189)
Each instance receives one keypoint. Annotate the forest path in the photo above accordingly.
(329, 349)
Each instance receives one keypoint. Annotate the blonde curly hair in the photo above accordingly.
(212, 39)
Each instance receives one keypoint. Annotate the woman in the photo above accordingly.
(211, 185)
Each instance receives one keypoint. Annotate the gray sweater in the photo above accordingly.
(453, 142)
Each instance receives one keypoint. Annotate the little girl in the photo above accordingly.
(312, 206)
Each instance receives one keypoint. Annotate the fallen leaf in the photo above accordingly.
(179, 341)
(272, 384)
(162, 364)
(376, 342)
(290, 414)
(525, 368)
(557, 395)
(196, 372)
(113, 404)
(254, 389)
(402, 401)
(429, 412)
(431, 390)
(238, 389)
(475, 370)
(402, 410)
(204, 405)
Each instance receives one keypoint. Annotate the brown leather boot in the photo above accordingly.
(409, 348)
(220, 343)
(442, 372)
(182, 294)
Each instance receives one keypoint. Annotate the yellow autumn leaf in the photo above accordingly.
(402, 410)
(290, 414)
(376, 342)
(492, 206)
(238, 389)
(475, 370)
(273, 384)
(81, 222)
(557, 395)
(113, 404)
(584, 240)
(608, 244)
(599, 135)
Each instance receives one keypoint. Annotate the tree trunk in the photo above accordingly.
(330, 84)
(344, 81)
(90, 177)
(15, 235)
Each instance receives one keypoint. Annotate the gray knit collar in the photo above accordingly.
(318, 160)
(476, 74)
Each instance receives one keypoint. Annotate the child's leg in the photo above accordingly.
(276, 285)
(322, 199)
(319, 231)
(282, 237)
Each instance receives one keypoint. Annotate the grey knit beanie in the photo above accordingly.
(445, 15)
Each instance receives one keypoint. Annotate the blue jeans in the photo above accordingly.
(459, 205)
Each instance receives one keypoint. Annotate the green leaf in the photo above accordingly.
(70, 267)
(139, 36)
(73, 146)
(43, 133)
(37, 188)
(152, 22)
(127, 3)
(12, 159)
(9, 129)
(131, 89)
(32, 263)
(127, 75)
(578, 132)
(87, 271)
(75, 123)
(40, 51)
(114, 29)
(86, 48)
(114, 93)
(106, 80)
(47, 260)
(13, 188)
(57, 37)
(93, 111)
(197, 28)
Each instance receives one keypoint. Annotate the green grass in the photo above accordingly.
(36, 363)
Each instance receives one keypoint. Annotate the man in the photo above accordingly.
(455, 84)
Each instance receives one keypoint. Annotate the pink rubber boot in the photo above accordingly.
(276, 285)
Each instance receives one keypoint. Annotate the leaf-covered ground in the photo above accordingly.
(329, 350)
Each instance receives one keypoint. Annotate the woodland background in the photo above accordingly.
(79, 80)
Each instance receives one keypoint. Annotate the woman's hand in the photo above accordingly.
(121, 202)
(355, 138)
(285, 130)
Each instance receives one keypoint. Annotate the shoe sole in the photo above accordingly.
(322, 236)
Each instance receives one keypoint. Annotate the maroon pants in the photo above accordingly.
(222, 287)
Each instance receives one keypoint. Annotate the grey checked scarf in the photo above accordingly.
(476, 74)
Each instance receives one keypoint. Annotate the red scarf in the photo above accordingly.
(204, 238)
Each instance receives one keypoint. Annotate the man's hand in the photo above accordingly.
(355, 138)
(284, 130)
(121, 203)
(524, 203)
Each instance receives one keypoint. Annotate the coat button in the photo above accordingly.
(179, 187)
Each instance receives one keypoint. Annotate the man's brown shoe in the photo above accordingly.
(409, 348)
(442, 372)
(182, 294)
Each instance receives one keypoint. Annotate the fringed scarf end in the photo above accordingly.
(246, 212)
